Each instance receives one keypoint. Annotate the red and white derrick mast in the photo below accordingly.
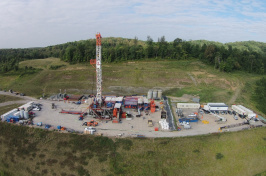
(99, 68)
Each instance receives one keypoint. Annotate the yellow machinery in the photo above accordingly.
(205, 122)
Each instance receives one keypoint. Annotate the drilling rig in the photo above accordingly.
(98, 108)
(98, 63)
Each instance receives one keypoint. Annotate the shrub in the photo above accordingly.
(219, 156)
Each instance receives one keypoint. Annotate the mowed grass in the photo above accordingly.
(175, 78)
(5, 98)
(7, 108)
(38, 152)
(42, 63)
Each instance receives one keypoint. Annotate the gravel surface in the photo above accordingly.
(127, 128)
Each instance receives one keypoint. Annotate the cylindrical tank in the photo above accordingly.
(160, 93)
(26, 114)
(154, 93)
(149, 96)
(22, 113)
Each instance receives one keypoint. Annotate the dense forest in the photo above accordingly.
(245, 56)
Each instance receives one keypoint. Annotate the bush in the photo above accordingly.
(55, 67)
(219, 156)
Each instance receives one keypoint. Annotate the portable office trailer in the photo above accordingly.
(217, 106)
(188, 105)
(239, 110)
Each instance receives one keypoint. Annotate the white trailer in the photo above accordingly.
(188, 105)
(9, 113)
(239, 110)
(248, 111)
(217, 106)
(250, 116)
(27, 106)
(206, 107)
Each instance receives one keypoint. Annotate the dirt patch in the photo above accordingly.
(184, 98)
(211, 76)
(67, 77)
(198, 73)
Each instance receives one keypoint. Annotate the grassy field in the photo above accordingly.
(7, 108)
(174, 77)
(5, 98)
(31, 151)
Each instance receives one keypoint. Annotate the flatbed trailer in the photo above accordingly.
(72, 112)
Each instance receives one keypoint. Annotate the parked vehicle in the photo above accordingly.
(235, 117)
(230, 112)
(36, 109)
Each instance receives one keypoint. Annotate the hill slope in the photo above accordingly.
(48, 76)
(34, 151)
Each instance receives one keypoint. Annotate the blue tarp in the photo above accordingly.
(15, 118)
(188, 120)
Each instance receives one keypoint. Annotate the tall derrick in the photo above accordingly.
(99, 68)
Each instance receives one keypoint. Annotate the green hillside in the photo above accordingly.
(32, 151)
(48, 76)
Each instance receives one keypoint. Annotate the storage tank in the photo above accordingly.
(149, 96)
(154, 93)
(160, 93)
(26, 114)
(22, 113)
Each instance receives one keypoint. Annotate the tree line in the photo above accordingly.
(246, 56)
